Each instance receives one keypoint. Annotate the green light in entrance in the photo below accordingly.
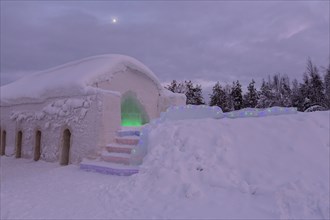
(132, 112)
(131, 119)
(130, 122)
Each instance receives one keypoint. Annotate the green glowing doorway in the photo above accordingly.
(133, 113)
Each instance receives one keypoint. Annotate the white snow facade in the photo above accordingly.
(73, 111)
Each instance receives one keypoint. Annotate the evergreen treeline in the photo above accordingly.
(313, 93)
(193, 92)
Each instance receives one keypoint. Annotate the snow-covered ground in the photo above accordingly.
(273, 167)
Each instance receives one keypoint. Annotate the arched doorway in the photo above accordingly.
(132, 111)
(19, 144)
(65, 154)
(37, 147)
(3, 142)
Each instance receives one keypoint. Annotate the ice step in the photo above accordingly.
(108, 168)
(119, 148)
(139, 128)
(127, 140)
(124, 133)
(120, 158)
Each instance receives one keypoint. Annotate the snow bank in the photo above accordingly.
(185, 112)
(273, 167)
(75, 78)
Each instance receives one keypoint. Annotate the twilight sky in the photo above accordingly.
(204, 41)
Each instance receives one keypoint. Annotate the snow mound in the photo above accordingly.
(74, 78)
(260, 161)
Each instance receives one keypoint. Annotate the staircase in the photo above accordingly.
(115, 158)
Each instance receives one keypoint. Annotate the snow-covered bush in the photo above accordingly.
(315, 108)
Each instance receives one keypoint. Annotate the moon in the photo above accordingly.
(114, 20)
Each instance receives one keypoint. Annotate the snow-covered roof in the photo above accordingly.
(74, 78)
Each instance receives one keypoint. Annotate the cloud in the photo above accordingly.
(293, 30)
(214, 41)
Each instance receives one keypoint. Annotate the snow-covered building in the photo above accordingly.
(74, 110)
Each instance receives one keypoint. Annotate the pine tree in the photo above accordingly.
(193, 94)
(327, 87)
(285, 91)
(250, 99)
(312, 87)
(316, 88)
(265, 95)
(198, 94)
(218, 97)
(172, 86)
(296, 97)
(189, 92)
(176, 87)
(275, 85)
(229, 99)
(236, 95)
(305, 88)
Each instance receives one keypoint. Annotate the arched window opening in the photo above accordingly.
(37, 147)
(19, 144)
(3, 143)
(65, 154)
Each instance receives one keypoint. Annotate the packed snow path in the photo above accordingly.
(273, 167)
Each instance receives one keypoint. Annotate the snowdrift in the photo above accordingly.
(274, 167)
